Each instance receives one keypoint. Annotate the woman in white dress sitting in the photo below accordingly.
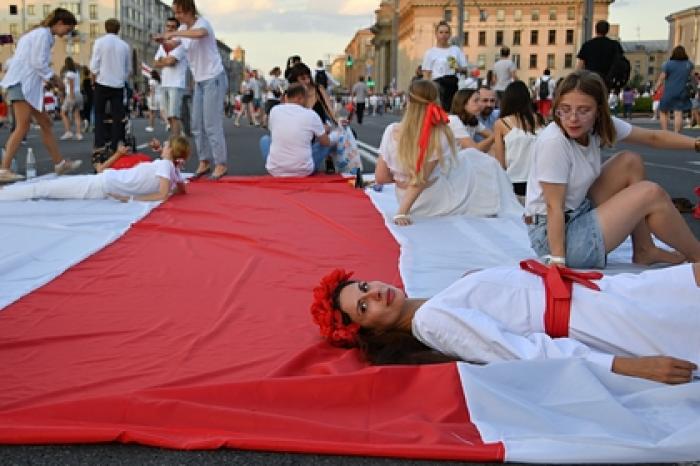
(464, 123)
(433, 179)
(515, 133)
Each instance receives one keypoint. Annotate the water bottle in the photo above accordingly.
(31, 164)
(359, 181)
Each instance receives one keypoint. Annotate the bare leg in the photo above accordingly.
(677, 121)
(78, 123)
(624, 173)
(175, 126)
(47, 136)
(66, 121)
(23, 118)
(663, 120)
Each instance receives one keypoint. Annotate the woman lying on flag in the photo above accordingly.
(432, 178)
(147, 181)
(643, 325)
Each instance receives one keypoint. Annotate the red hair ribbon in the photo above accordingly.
(434, 115)
(327, 317)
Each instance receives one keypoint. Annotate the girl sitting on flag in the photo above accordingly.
(432, 178)
(644, 325)
(148, 181)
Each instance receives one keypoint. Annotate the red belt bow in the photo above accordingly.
(557, 285)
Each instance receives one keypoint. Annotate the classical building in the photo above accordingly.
(359, 57)
(383, 42)
(684, 29)
(540, 33)
(337, 68)
(646, 58)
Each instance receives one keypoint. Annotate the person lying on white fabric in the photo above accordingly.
(148, 181)
(432, 178)
(643, 325)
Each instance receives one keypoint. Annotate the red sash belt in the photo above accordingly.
(557, 285)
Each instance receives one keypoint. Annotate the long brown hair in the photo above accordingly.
(59, 15)
(592, 85)
(459, 101)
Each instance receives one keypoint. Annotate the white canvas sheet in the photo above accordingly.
(41, 239)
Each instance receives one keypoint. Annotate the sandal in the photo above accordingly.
(7, 176)
(198, 175)
(219, 176)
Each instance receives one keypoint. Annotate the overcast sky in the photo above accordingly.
(271, 30)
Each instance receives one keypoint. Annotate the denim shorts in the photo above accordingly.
(15, 93)
(585, 246)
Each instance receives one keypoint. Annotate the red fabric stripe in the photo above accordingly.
(193, 332)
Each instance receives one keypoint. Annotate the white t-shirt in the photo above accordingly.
(76, 83)
(461, 131)
(389, 152)
(176, 75)
(292, 127)
(443, 61)
(142, 179)
(503, 70)
(202, 54)
(275, 84)
(558, 159)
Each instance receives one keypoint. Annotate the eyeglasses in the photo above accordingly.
(581, 113)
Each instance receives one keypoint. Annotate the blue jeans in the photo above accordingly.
(208, 125)
(318, 152)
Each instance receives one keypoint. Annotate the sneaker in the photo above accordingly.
(149, 129)
(67, 166)
(85, 125)
(66, 135)
(78, 137)
(6, 176)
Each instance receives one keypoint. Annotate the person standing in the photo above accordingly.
(442, 63)
(111, 65)
(599, 53)
(173, 65)
(359, 94)
(544, 91)
(504, 71)
(674, 77)
(210, 86)
(24, 81)
(73, 101)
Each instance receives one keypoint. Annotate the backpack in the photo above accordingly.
(619, 72)
(544, 89)
(691, 87)
(321, 79)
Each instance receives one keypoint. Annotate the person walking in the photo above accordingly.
(599, 53)
(72, 102)
(111, 65)
(173, 66)
(674, 78)
(544, 93)
(359, 95)
(505, 72)
(24, 80)
(197, 36)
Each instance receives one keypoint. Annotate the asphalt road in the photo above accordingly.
(678, 172)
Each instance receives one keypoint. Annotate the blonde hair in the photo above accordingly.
(421, 93)
(180, 147)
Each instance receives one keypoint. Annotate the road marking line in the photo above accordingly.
(671, 167)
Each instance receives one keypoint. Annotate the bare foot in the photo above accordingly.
(656, 256)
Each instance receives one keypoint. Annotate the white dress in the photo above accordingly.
(497, 315)
(472, 183)
(519, 144)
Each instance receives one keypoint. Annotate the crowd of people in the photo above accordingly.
(462, 144)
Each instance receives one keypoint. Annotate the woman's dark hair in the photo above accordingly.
(392, 347)
(516, 101)
(68, 65)
(459, 101)
(155, 75)
(678, 53)
(60, 15)
(297, 71)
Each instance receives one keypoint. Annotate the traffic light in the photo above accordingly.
(348, 61)
(370, 81)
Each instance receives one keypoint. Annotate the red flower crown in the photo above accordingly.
(327, 317)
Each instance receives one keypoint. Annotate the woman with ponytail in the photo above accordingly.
(28, 70)
(432, 178)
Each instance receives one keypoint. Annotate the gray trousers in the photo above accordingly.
(208, 119)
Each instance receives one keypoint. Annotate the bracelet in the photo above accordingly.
(697, 144)
(402, 217)
(554, 260)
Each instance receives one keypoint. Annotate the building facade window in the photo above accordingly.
(466, 38)
(533, 61)
(516, 37)
(466, 14)
(552, 37)
(569, 36)
(550, 61)
(483, 15)
(14, 30)
(448, 15)
(552, 14)
(535, 15)
(499, 37)
(13, 10)
(94, 30)
(30, 10)
(568, 61)
(516, 59)
(534, 36)
(482, 38)
(571, 13)
(518, 15)
(651, 71)
(47, 10)
(481, 61)
(93, 11)
(500, 15)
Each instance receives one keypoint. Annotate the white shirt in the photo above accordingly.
(292, 127)
(111, 61)
(275, 84)
(503, 69)
(550, 86)
(142, 179)
(31, 65)
(461, 131)
(202, 54)
(518, 146)
(175, 75)
(558, 159)
(443, 61)
(76, 83)
(497, 314)
(389, 152)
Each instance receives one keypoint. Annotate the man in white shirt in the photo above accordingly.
(287, 150)
(359, 94)
(111, 65)
(173, 79)
(544, 93)
(505, 72)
